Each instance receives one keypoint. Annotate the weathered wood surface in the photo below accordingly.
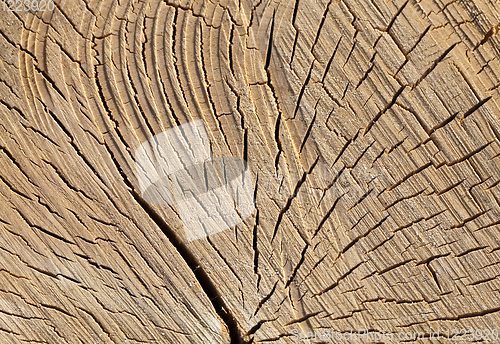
(372, 130)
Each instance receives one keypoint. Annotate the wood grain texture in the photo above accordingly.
(371, 129)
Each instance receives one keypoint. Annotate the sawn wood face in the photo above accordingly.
(366, 136)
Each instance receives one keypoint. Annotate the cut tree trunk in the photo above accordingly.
(371, 132)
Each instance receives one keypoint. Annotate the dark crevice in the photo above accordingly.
(334, 284)
(255, 231)
(387, 107)
(43, 230)
(396, 16)
(350, 53)
(411, 49)
(42, 134)
(302, 90)
(318, 32)
(50, 81)
(368, 71)
(431, 68)
(308, 132)
(201, 276)
(231, 55)
(65, 179)
(291, 198)
(13, 189)
(295, 10)
(395, 266)
(205, 74)
(294, 45)
(132, 84)
(299, 264)
(100, 92)
(75, 147)
(468, 156)
(302, 319)
(493, 31)
(434, 276)
(264, 300)
(13, 107)
(417, 171)
(270, 43)
(327, 216)
(345, 147)
(352, 243)
(328, 65)
(476, 107)
(278, 141)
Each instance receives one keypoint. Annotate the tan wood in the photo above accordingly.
(371, 130)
